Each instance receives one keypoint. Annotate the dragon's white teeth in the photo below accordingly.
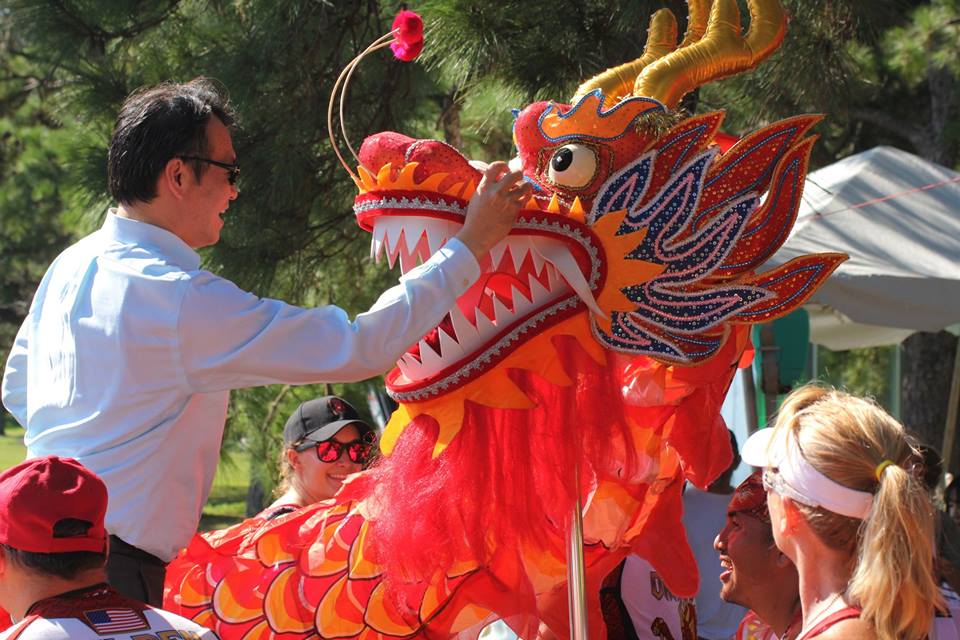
(554, 279)
(466, 333)
(388, 232)
(485, 327)
(501, 314)
(376, 241)
(538, 260)
(450, 349)
(496, 254)
(409, 238)
(521, 304)
(538, 291)
(567, 265)
(408, 366)
(408, 260)
(413, 230)
(519, 248)
(430, 361)
(437, 234)
(391, 228)
(392, 252)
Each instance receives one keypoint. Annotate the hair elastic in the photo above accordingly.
(880, 467)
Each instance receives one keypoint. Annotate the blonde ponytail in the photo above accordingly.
(896, 588)
(850, 439)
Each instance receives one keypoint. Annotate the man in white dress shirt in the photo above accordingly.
(130, 349)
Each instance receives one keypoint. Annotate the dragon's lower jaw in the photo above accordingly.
(528, 280)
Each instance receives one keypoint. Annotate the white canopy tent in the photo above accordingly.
(898, 217)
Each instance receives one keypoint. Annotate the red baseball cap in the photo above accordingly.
(37, 494)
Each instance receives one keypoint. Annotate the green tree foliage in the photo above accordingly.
(865, 372)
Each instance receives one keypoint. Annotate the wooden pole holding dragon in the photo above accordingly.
(601, 337)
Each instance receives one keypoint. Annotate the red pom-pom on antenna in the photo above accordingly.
(407, 36)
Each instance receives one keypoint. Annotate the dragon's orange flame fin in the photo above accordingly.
(768, 227)
(793, 282)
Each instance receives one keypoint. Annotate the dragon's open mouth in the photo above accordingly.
(538, 275)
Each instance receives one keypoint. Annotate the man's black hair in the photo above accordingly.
(155, 125)
(64, 565)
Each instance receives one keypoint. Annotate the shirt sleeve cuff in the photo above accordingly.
(458, 263)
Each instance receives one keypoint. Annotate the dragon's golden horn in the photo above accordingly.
(698, 12)
(618, 82)
(722, 51)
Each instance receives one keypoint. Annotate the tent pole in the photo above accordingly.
(950, 428)
(750, 398)
(770, 372)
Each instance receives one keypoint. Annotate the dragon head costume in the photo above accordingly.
(589, 362)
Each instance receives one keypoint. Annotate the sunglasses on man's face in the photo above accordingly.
(358, 451)
(233, 170)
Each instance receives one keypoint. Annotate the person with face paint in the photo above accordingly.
(704, 512)
(756, 574)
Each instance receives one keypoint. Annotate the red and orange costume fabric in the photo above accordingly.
(592, 356)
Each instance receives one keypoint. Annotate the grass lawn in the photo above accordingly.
(12, 450)
(227, 498)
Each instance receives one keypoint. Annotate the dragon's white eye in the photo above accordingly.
(573, 165)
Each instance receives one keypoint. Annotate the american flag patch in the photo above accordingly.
(106, 621)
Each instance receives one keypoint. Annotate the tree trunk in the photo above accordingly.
(927, 369)
(256, 498)
(450, 119)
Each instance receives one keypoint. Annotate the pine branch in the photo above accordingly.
(100, 35)
(917, 135)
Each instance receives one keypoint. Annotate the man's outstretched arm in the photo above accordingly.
(232, 339)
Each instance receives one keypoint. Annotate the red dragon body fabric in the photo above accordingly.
(590, 361)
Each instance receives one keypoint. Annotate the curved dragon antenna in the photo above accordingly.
(722, 51)
(713, 47)
(344, 77)
(377, 45)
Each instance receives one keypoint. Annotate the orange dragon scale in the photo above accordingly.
(602, 336)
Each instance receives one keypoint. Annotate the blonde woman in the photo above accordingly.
(847, 511)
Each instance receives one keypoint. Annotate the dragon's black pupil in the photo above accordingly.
(562, 159)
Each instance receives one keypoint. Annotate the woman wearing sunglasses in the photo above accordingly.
(324, 442)
(847, 511)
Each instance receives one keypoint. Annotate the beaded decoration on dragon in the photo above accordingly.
(590, 360)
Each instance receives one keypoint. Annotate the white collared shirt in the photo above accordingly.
(129, 351)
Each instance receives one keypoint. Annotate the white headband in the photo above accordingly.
(812, 487)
